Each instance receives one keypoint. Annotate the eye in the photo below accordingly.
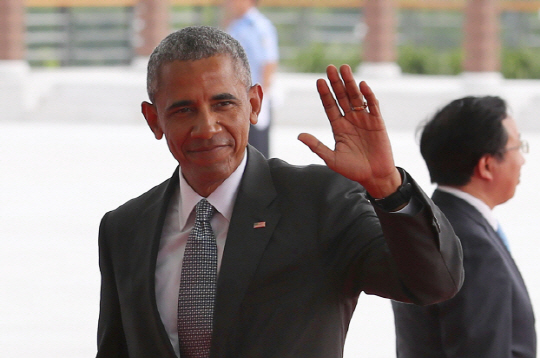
(224, 103)
(182, 110)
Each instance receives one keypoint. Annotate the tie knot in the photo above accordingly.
(203, 210)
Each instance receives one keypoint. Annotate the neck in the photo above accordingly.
(245, 9)
(203, 185)
(479, 192)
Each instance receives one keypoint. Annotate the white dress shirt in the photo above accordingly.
(179, 221)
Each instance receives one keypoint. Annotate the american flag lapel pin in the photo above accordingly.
(259, 224)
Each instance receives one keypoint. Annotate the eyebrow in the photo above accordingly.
(223, 96)
(187, 102)
(182, 103)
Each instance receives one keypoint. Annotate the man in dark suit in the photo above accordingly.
(294, 246)
(472, 148)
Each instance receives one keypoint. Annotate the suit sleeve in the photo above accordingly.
(111, 340)
(477, 321)
(419, 258)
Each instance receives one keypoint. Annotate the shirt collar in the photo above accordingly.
(222, 199)
(482, 207)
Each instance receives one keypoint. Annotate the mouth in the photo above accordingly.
(207, 149)
(205, 154)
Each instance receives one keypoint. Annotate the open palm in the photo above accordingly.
(362, 149)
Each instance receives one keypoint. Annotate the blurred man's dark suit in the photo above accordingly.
(493, 299)
(286, 290)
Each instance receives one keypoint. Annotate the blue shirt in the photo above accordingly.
(259, 39)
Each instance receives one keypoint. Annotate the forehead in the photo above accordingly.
(511, 128)
(209, 74)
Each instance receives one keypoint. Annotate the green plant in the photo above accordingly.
(521, 63)
(317, 56)
(429, 61)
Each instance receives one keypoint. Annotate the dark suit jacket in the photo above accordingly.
(490, 317)
(286, 290)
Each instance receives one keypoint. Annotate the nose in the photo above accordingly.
(206, 125)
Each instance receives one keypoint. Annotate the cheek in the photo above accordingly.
(173, 148)
(514, 176)
(175, 141)
(241, 130)
(519, 164)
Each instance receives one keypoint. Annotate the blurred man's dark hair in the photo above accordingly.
(461, 133)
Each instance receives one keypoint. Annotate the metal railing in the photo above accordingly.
(506, 5)
(101, 32)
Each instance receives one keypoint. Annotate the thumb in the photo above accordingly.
(317, 147)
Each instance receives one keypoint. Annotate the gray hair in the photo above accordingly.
(196, 43)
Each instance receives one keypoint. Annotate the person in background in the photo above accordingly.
(259, 39)
(473, 150)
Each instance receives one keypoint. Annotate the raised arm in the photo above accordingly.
(425, 255)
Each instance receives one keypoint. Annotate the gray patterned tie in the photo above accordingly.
(198, 286)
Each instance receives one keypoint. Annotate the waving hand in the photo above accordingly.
(362, 151)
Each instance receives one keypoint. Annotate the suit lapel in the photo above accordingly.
(255, 203)
(246, 241)
(148, 231)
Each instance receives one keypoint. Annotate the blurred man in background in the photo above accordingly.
(473, 151)
(259, 39)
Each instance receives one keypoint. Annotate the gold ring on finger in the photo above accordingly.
(359, 108)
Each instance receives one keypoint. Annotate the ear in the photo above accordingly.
(150, 114)
(484, 167)
(255, 99)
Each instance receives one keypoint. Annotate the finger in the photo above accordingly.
(372, 101)
(354, 95)
(328, 101)
(339, 88)
(317, 147)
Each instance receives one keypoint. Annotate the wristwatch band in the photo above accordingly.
(397, 199)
